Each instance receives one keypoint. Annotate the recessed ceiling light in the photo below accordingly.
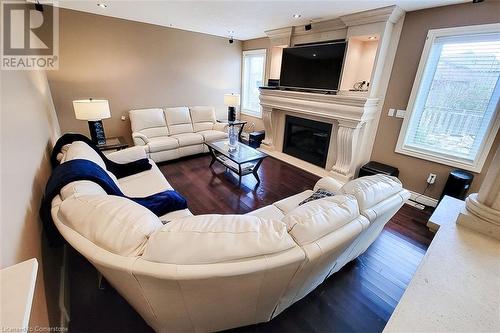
(296, 16)
(372, 38)
(102, 5)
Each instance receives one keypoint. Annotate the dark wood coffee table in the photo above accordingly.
(244, 160)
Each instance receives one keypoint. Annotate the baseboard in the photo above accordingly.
(423, 199)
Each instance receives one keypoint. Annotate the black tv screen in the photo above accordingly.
(313, 66)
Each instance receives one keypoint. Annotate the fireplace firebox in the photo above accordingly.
(307, 139)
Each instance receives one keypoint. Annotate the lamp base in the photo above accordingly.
(231, 113)
(97, 132)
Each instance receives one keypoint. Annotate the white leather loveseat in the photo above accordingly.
(186, 273)
(170, 133)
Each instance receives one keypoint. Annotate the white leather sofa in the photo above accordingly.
(185, 273)
(170, 133)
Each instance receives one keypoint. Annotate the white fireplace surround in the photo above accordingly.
(354, 115)
(351, 116)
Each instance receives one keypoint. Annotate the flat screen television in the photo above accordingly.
(315, 67)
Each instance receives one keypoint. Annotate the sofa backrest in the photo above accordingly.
(315, 219)
(150, 122)
(209, 239)
(372, 190)
(178, 120)
(116, 224)
(203, 117)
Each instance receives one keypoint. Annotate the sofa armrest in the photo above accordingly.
(329, 184)
(128, 155)
(140, 139)
(221, 127)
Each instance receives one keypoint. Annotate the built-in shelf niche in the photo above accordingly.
(359, 61)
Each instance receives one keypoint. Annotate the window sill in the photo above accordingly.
(427, 156)
(251, 114)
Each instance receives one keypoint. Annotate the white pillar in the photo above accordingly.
(482, 211)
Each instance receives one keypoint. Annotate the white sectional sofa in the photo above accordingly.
(185, 273)
(170, 133)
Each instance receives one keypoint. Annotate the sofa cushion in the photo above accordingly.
(206, 239)
(114, 223)
(316, 219)
(288, 204)
(150, 122)
(162, 143)
(178, 120)
(371, 190)
(145, 183)
(212, 135)
(203, 117)
(188, 139)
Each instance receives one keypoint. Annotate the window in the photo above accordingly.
(452, 115)
(254, 67)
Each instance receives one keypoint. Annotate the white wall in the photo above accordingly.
(28, 128)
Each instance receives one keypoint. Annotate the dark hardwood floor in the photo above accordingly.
(359, 298)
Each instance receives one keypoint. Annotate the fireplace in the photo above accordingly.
(307, 139)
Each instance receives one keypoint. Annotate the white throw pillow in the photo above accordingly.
(315, 219)
(116, 224)
(206, 239)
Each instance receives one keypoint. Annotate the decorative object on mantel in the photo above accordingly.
(231, 101)
(93, 110)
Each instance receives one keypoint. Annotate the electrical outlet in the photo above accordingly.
(400, 113)
(124, 118)
(391, 112)
(431, 179)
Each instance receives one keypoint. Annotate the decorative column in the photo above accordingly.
(267, 118)
(482, 210)
(347, 141)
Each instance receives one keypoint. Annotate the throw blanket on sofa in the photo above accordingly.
(118, 169)
(79, 169)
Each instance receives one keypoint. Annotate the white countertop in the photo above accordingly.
(456, 288)
(17, 285)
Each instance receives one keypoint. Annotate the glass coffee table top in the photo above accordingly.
(242, 154)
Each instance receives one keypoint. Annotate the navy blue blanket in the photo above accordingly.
(118, 169)
(79, 169)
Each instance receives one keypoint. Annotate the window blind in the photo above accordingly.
(457, 97)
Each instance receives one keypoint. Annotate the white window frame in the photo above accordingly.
(252, 113)
(478, 163)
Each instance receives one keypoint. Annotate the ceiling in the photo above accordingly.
(241, 19)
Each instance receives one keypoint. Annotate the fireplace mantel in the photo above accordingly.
(351, 116)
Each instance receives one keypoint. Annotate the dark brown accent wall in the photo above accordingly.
(414, 171)
(138, 65)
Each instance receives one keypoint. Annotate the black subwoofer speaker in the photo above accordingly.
(458, 184)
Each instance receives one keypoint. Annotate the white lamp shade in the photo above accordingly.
(91, 109)
(231, 99)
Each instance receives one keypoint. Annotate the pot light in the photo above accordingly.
(372, 38)
(296, 16)
(102, 5)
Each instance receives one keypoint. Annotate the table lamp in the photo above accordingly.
(93, 110)
(231, 101)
